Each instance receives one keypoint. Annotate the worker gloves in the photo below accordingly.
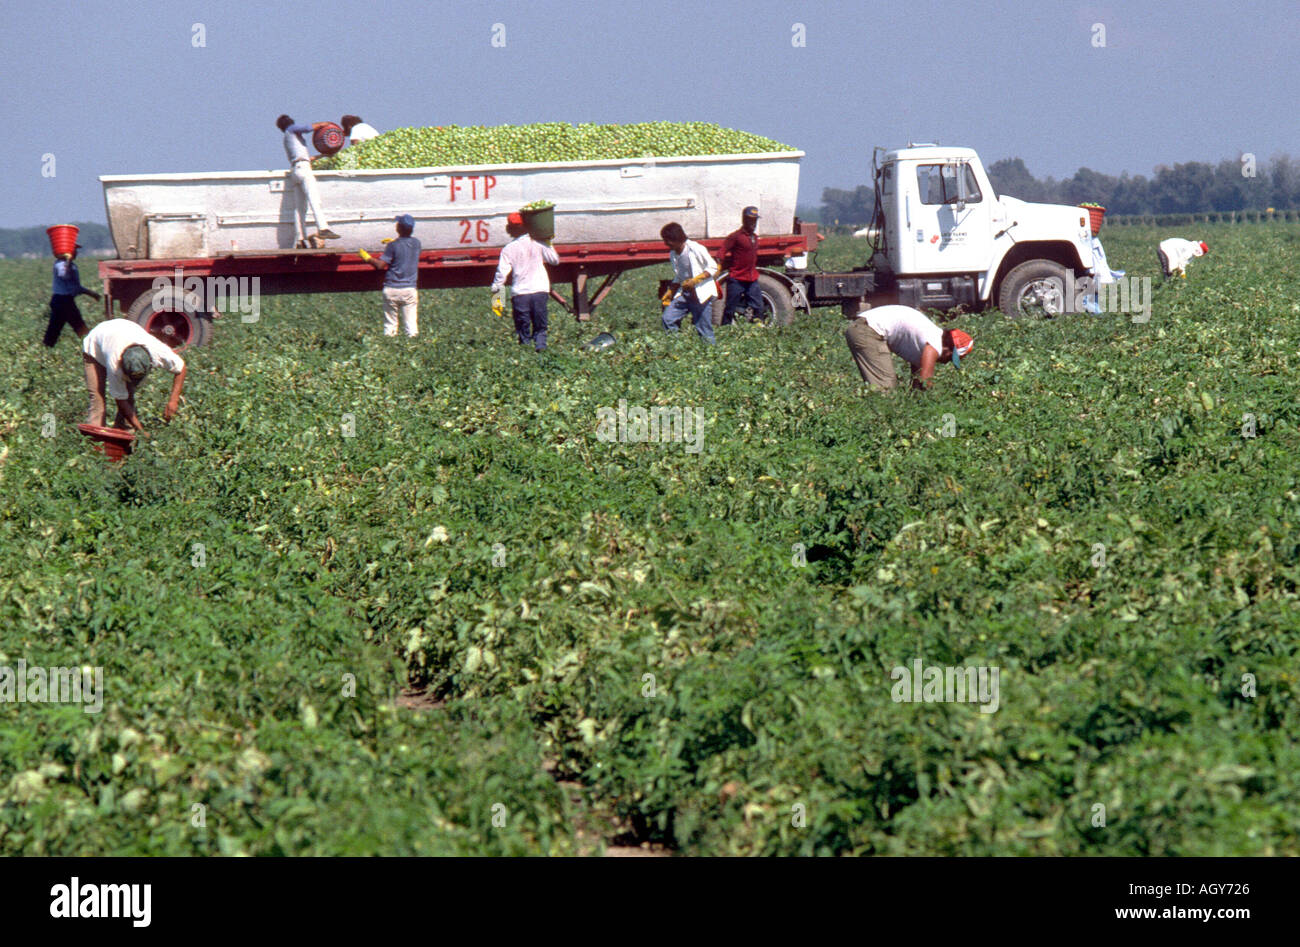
(498, 303)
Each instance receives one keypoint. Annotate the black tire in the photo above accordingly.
(1035, 287)
(778, 301)
(175, 317)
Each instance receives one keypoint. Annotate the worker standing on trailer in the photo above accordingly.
(740, 259)
(402, 260)
(357, 130)
(63, 298)
(300, 168)
(523, 261)
(876, 335)
(692, 287)
(118, 354)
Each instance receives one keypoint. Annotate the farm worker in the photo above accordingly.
(523, 261)
(300, 168)
(357, 130)
(118, 355)
(63, 298)
(740, 259)
(1175, 253)
(402, 260)
(692, 267)
(876, 335)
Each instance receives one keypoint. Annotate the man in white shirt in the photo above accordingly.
(692, 288)
(118, 354)
(876, 335)
(300, 169)
(525, 259)
(1175, 253)
(357, 130)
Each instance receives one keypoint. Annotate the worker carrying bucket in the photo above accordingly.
(66, 286)
(308, 195)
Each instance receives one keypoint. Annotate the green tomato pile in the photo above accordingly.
(543, 143)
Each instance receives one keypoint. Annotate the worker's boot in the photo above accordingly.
(327, 234)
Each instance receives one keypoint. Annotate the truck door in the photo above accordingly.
(950, 220)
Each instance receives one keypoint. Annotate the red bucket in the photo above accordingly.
(1095, 216)
(113, 443)
(328, 139)
(63, 238)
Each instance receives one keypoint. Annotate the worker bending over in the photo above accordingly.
(876, 335)
(118, 356)
(1175, 253)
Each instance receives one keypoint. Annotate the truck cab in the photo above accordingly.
(944, 239)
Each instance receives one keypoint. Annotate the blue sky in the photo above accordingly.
(113, 87)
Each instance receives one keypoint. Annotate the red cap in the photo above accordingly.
(961, 342)
(516, 219)
(1205, 247)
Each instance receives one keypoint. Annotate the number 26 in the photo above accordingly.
(481, 231)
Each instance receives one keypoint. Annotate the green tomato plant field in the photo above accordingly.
(633, 640)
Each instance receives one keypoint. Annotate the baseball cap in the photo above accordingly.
(136, 361)
(516, 219)
(750, 211)
(1205, 247)
(406, 220)
(961, 344)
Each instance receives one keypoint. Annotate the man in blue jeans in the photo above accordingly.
(692, 267)
(740, 259)
(523, 262)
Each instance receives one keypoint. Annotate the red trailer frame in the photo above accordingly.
(183, 316)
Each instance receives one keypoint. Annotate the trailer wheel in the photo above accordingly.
(778, 302)
(175, 317)
(1034, 288)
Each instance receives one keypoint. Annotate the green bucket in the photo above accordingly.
(540, 223)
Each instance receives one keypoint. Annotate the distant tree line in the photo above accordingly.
(19, 240)
(1190, 188)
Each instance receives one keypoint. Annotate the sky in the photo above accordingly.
(114, 87)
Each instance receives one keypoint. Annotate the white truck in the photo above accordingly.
(943, 239)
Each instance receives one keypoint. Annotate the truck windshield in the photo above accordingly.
(937, 184)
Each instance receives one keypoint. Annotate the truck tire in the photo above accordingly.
(175, 317)
(778, 302)
(1035, 287)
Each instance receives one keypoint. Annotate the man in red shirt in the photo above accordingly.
(740, 259)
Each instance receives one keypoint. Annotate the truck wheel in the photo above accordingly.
(1034, 288)
(778, 303)
(175, 317)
